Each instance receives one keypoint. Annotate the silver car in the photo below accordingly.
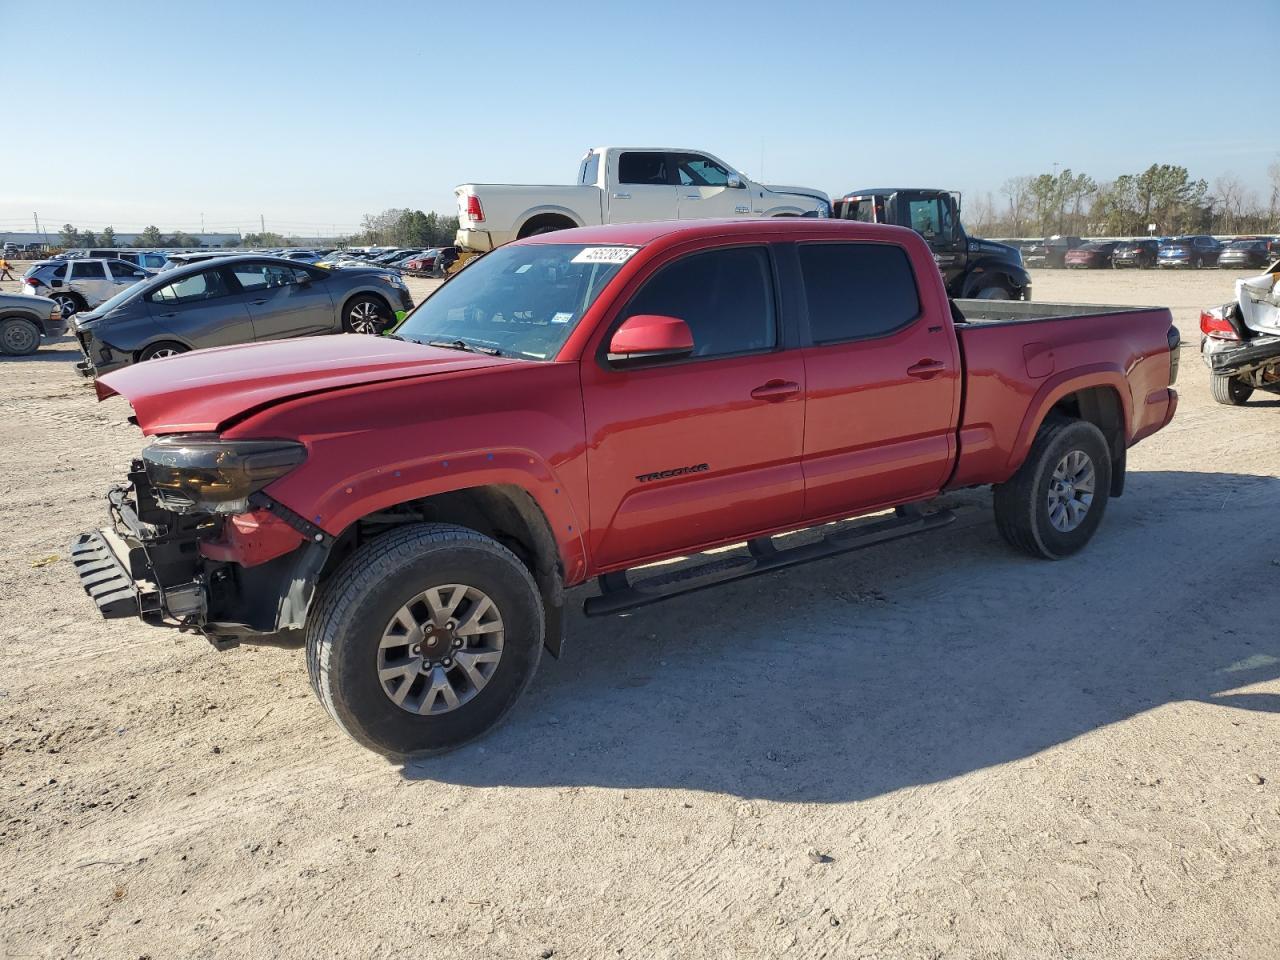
(236, 299)
(80, 284)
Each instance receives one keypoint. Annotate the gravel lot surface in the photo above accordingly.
(934, 749)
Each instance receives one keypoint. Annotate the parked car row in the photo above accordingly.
(1194, 252)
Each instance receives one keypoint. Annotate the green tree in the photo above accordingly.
(69, 236)
(150, 237)
(108, 237)
(182, 239)
(262, 240)
(87, 239)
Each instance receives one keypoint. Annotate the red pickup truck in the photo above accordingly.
(581, 404)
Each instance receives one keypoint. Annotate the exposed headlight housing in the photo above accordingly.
(394, 279)
(202, 473)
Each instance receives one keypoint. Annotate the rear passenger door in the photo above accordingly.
(684, 453)
(883, 379)
(284, 300)
(90, 279)
(643, 188)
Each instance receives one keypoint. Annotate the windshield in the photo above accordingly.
(520, 300)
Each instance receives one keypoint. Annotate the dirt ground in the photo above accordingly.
(991, 757)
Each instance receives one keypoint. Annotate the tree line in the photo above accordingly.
(397, 226)
(1164, 194)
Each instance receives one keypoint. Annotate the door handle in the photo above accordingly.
(926, 369)
(166, 316)
(622, 196)
(258, 303)
(775, 390)
(693, 196)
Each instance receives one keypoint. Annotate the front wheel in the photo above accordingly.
(424, 639)
(158, 351)
(1230, 390)
(1052, 506)
(18, 337)
(365, 315)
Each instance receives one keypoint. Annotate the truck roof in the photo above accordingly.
(640, 234)
(877, 191)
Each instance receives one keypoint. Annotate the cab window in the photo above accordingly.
(643, 168)
(725, 296)
(857, 290)
(931, 218)
(199, 286)
(695, 170)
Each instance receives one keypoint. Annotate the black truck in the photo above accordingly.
(971, 268)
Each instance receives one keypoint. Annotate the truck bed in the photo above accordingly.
(1019, 357)
(988, 312)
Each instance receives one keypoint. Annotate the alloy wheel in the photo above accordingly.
(440, 649)
(364, 317)
(1071, 491)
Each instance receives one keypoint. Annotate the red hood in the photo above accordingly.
(201, 390)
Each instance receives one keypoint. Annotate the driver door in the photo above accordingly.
(932, 216)
(642, 189)
(704, 190)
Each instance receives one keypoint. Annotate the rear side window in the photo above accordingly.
(122, 270)
(200, 286)
(857, 290)
(261, 276)
(725, 296)
(88, 271)
(650, 168)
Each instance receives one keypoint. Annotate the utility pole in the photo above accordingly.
(262, 223)
(202, 223)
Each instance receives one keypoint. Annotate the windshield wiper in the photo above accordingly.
(461, 344)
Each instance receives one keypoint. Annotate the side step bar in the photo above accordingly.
(617, 593)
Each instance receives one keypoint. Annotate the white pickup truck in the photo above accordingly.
(625, 185)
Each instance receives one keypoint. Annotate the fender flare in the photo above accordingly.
(1062, 385)
(549, 208)
(981, 270)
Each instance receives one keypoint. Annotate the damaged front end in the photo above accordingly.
(186, 531)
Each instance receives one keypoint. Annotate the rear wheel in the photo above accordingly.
(19, 337)
(424, 639)
(1052, 506)
(68, 302)
(1230, 390)
(366, 315)
(158, 351)
(995, 292)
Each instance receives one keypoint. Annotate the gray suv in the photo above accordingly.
(237, 299)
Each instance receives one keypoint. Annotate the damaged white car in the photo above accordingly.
(1241, 342)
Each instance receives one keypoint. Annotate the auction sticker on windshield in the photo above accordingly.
(604, 255)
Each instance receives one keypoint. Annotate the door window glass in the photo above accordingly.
(200, 286)
(639, 168)
(87, 271)
(925, 218)
(725, 296)
(122, 270)
(695, 170)
(857, 290)
(262, 276)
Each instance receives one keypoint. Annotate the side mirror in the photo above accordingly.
(304, 278)
(648, 336)
(734, 182)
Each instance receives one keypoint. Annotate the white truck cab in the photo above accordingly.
(626, 185)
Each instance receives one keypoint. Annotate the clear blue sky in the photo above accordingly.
(315, 113)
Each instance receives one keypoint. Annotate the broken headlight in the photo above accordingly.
(201, 473)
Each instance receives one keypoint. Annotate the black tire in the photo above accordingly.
(161, 349)
(996, 291)
(19, 337)
(1231, 391)
(1022, 502)
(366, 314)
(355, 605)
